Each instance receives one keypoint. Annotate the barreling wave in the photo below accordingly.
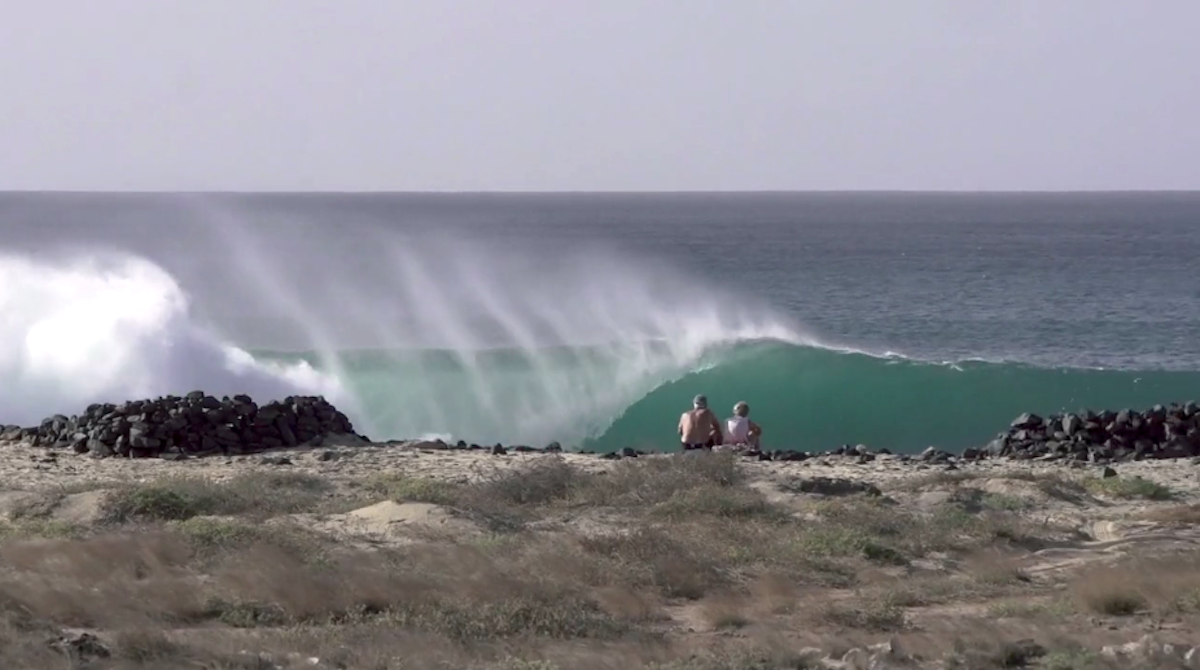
(805, 396)
(492, 345)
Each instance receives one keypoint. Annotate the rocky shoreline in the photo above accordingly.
(198, 424)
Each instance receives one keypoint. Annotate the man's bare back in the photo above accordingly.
(697, 426)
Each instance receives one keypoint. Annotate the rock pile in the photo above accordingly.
(1159, 432)
(195, 424)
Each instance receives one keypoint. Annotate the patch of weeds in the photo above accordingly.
(716, 501)
(1181, 515)
(258, 494)
(416, 489)
(925, 593)
(1050, 484)
(211, 537)
(982, 656)
(561, 618)
(1168, 585)
(941, 478)
(651, 557)
(1129, 488)
(1025, 609)
(1058, 487)
(1018, 654)
(214, 533)
(1002, 575)
(1188, 601)
(883, 554)
(152, 503)
(146, 647)
(244, 614)
(742, 659)
(731, 619)
(40, 528)
(521, 664)
(546, 480)
(496, 545)
(1069, 659)
(724, 612)
(1116, 602)
(644, 482)
(882, 615)
(1004, 503)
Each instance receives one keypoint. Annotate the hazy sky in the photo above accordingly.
(599, 94)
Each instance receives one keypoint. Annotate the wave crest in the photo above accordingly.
(106, 327)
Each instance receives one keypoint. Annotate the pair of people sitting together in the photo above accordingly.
(700, 429)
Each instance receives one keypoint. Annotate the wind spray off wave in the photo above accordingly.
(489, 343)
(472, 344)
(466, 342)
(112, 327)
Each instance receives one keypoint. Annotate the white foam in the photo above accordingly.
(111, 327)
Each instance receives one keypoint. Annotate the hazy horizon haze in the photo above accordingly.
(620, 96)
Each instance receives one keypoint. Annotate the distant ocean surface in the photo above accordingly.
(894, 320)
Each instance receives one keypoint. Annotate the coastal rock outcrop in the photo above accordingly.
(1171, 431)
(179, 426)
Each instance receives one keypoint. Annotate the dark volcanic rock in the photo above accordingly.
(834, 487)
(79, 647)
(196, 424)
(1162, 431)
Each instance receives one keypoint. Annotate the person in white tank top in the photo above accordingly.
(739, 429)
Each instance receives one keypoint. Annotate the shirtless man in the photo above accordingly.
(699, 428)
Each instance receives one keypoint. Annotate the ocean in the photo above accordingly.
(897, 320)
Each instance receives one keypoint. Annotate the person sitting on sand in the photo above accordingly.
(699, 427)
(739, 429)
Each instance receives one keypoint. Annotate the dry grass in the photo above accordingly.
(875, 615)
(725, 611)
(506, 499)
(1128, 488)
(1177, 515)
(189, 573)
(1162, 586)
(257, 495)
(1053, 485)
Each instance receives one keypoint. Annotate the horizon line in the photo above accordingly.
(589, 192)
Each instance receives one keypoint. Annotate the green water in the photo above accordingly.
(804, 397)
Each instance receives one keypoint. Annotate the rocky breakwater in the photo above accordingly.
(193, 425)
(1159, 432)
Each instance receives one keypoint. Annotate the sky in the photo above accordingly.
(624, 95)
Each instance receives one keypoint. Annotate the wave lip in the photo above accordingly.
(107, 327)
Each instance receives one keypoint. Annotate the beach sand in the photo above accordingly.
(404, 556)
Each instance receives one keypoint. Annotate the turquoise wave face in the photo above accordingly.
(610, 396)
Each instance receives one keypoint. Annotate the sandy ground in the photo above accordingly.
(36, 468)
(1150, 515)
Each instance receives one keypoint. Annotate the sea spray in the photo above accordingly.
(487, 342)
(579, 338)
(80, 329)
